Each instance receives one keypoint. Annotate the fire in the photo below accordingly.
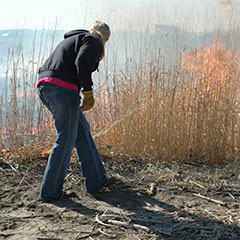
(226, 3)
(15, 139)
(4, 152)
(214, 69)
(46, 152)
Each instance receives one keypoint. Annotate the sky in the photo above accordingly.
(194, 15)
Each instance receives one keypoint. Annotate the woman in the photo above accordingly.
(65, 73)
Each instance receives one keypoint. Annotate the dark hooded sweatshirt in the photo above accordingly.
(74, 59)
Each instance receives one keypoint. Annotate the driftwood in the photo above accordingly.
(109, 220)
(209, 199)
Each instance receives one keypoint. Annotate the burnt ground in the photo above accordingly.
(149, 201)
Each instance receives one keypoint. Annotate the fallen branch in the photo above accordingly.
(231, 195)
(22, 178)
(87, 234)
(197, 184)
(210, 199)
(101, 222)
(152, 189)
(128, 224)
(47, 238)
(146, 220)
(231, 186)
(131, 219)
(137, 226)
(111, 235)
(82, 237)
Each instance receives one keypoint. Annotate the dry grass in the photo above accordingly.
(174, 113)
(25, 124)
(143, 109)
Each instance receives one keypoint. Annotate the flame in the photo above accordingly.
(45, 153)
(16, 137)
(226, 3)
(214, 69)
(4, 152)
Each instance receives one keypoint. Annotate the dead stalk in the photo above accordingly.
(210, 199)
(145, 108)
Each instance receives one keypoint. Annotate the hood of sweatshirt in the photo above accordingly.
(74, 32)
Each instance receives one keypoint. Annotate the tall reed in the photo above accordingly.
(171, 112)
(145, 105)
(23, 121)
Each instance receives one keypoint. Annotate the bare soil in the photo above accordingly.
(149, 201)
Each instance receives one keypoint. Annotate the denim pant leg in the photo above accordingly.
(89, 159)
(64, 106)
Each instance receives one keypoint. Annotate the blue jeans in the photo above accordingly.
(72, 131)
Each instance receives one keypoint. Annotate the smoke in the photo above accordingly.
(226, 3)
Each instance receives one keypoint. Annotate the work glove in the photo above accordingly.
(88, 100)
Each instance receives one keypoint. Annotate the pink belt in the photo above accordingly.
(58, 81)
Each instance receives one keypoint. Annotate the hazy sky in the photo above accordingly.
(196, 15)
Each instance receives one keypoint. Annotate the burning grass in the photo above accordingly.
(187, 112)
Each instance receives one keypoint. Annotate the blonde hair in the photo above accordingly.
(102, 31)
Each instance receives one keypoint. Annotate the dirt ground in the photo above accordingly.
(149, 201)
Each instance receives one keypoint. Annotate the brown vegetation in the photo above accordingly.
(185, 112)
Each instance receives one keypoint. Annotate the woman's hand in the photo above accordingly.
(88, 101)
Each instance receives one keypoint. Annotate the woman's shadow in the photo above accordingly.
(142, 205)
